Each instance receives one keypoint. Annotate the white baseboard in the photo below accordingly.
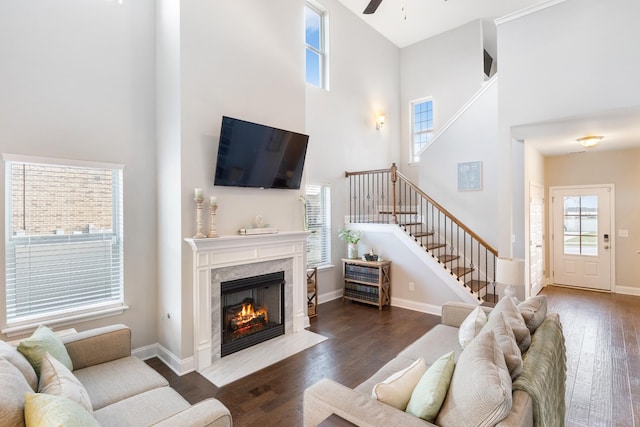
(146, 352)
(627, 290)
(329, 296)
(417, 306)
(177, 365)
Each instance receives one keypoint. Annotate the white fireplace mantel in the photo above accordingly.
(227, 251)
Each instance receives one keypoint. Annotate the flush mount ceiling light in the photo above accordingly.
(589, 141)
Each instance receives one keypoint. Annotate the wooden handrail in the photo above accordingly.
(393, 170)
(448, 214)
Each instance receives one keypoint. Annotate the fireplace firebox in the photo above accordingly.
(252, 311)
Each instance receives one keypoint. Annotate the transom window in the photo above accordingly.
(421, 126)
(318, 222)
(315, 37)
(581, 225)
(64, 248)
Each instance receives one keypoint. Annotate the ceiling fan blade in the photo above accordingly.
(372, 6)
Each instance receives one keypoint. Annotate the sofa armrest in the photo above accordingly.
(207, 413)
(327, 397)
(454, 313)
(98, 345)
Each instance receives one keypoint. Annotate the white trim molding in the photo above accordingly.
(526, 11)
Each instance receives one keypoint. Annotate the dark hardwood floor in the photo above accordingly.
(603, 357)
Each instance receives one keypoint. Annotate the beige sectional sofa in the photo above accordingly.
(123, 390)
(534, 394)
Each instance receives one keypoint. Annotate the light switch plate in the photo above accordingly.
(623, 233)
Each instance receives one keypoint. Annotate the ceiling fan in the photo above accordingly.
(372, 6)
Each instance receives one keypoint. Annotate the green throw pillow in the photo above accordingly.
(429, 394)
(48, 410)
(44, 341)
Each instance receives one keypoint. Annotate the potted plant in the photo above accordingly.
(352, 237)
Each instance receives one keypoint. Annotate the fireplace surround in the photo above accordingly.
(228, 258)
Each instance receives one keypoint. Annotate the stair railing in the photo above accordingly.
(388, 197)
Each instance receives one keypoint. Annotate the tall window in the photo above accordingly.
(315, 46)
(318, 216)
(64, 246)
(421, 126)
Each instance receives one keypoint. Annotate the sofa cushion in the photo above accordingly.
(513, 316)
(56, 379)
(47, 410)
(43, 341)
(440, 339)
(13, 386)
(431, 390)
(110, 382)
(143, 409)
(504, 335)
(18, 360)
(533, 311)
(396, 390)
(480, 389)
(471, 326)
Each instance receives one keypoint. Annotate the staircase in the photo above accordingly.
(385, 196)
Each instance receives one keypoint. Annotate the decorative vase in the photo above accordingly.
(352, 250)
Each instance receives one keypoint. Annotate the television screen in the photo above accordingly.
(255, 155)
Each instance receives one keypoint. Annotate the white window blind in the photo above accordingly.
(64, 247)
(318, 209)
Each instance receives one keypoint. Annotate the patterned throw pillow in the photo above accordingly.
(429, 394)
(44, 341)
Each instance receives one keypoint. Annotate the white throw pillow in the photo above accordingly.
(471, 326)
(396, 390)
(56, 379)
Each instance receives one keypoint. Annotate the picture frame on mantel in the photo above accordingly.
(470, 176)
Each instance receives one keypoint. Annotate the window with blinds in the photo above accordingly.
(318, 213)
(64, 248)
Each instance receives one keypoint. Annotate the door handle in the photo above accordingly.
(606, 246)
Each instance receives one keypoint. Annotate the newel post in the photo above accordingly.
(394, 178)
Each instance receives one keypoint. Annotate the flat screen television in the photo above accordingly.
(255, 155)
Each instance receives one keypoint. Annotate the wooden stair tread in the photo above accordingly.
(410, 224)
(422, 234)
(448, 258)
(461, 271)
(431, 246)
(477, 285)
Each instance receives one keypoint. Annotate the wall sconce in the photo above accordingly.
(589, 141)
(379, 122)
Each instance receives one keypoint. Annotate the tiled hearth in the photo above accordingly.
(232, 257)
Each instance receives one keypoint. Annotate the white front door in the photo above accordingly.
(582, 236)
(536, 238)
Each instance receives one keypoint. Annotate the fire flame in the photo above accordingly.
(248, 313)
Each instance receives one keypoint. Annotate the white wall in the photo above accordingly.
(568, 60)
(471, 138)
(447, 67)
(365, 77)
(168, 125)
(76, 82)
(241, 59)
